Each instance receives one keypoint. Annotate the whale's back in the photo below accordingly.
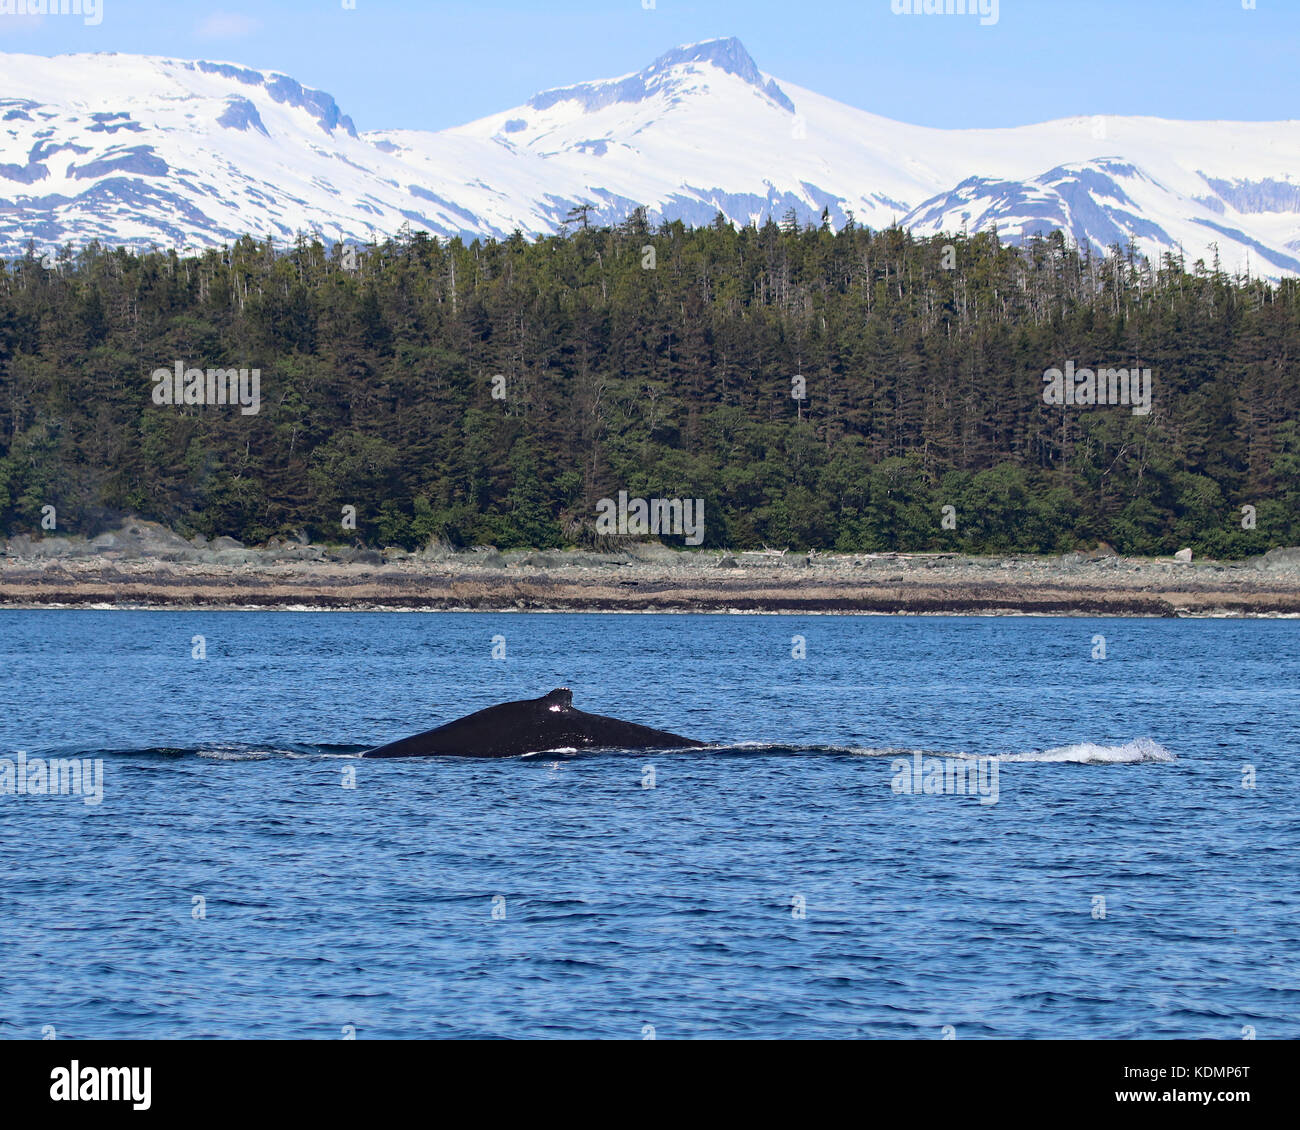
(533, 725)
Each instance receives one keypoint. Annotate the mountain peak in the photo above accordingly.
(727, 54)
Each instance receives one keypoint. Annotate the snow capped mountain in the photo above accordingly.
(135, 150)
(139, 150)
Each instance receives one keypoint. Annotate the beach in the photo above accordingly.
(141, 564)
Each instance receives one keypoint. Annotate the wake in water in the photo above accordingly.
(1088, 753)
(1078, 753)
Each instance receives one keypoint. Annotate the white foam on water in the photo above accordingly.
(1077, 753)
(295, 755)
(238, 754)
(1090, 753)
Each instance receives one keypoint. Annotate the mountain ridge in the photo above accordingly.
(143, 150)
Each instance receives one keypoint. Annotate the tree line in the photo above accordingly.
(852, 390)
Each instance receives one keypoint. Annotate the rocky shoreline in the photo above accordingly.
(141, 564)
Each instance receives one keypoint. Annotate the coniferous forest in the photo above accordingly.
(659, 361)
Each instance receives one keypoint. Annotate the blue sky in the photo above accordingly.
(400, 63)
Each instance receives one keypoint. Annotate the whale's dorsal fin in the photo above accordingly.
(559, 699)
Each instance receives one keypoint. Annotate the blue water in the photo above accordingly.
(779, 888)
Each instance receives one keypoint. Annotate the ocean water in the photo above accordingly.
(244, 874)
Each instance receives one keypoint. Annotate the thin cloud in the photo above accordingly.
(228, 25)
(16, 22)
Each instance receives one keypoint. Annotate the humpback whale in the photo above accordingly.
(531, 726)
